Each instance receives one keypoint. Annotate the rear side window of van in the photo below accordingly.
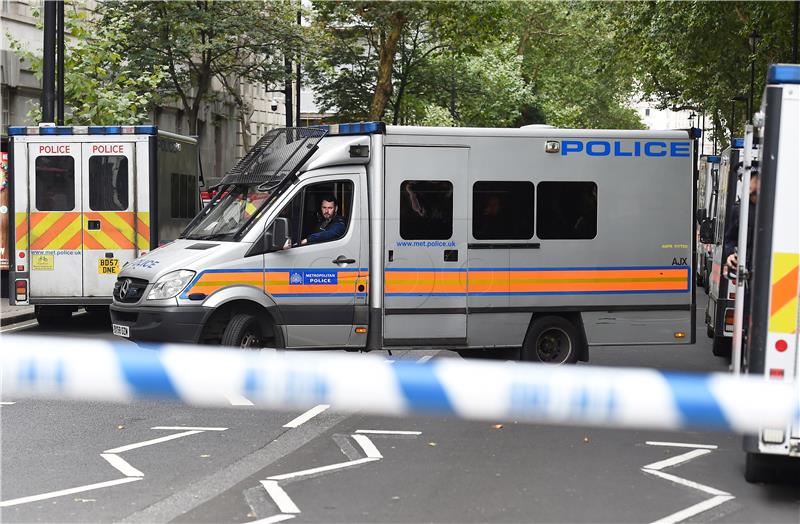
(108, 183)
(566, 210)
(426, 210)
(55, 183)
(502, 210)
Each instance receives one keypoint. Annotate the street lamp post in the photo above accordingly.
(737, 98)
(754, 37)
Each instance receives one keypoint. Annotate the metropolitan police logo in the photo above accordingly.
(295, 277)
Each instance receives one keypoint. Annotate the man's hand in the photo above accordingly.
(304, 242)
(733, 261)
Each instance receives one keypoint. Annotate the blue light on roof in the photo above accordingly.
(713, 159)
(738, 143)
(70, 130)
(356, 128)
(696, 132)
(17, 130)
(146, 130)
(783, 74)
(48, 131)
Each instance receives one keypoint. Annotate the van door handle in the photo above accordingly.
(341, 260)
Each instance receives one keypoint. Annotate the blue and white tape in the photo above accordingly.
(580, 395)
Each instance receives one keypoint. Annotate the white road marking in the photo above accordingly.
(679, 459)
(238, 400)
(425, 359)
(719, 496)
(21, 326)
(691, 511)
(121, 465)
(308, 415)
(151, 442)
(386, 432)
(272, 520)
(369, 448)
(70, 491)
(187, 428)
(7, 403)
(322, 469)
(681, 445)
(281, 498)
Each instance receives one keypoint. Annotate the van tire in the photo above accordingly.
(721, 347)
(552, 339)
(52, 316)
(243, 331)
(100, 314)
(760, 468)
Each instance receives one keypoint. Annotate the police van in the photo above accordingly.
(484, 241)
(86, 200)
(770, 347)
(707, 183)
(721, 290)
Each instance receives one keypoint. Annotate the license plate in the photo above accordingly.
(121, 331)
(108, 266)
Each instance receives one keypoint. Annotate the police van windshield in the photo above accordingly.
(237, 205)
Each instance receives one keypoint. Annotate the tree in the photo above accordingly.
(100, 85)
(200, 42)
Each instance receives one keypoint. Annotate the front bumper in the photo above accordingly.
(162, 324)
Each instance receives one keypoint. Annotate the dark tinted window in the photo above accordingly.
(108, 183)
(502, 210)
(55, 183)
(566, 210)
(426, 210)
(184, 196)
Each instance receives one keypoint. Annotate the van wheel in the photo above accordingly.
(721, 347)
(243, 331)
(553, 340)
(759, 468)
(52, 316)
(100, 314)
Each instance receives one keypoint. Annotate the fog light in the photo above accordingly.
(772, 436)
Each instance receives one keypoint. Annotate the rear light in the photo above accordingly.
(21, 254)
(781, 345)
(729, 316)
(775, 373)
(772, 436)
(21, 287)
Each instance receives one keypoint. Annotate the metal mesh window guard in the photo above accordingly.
(278, 154)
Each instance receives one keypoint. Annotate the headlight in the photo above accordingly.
(170, 284)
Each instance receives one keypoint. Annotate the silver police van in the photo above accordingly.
(534, 242)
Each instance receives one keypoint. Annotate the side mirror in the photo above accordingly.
(707, 231)
(277, 235)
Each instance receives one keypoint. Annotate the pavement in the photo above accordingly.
(14, 314)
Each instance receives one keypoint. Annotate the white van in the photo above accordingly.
(86, 201)
(484, 241)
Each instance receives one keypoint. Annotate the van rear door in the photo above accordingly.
(54, 236)
(425, 269)
(109, 223)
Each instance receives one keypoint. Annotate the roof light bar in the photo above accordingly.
(783, 74)
(738, 143)
(357, 128)
(82, 130)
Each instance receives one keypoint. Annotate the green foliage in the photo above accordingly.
(100, 85)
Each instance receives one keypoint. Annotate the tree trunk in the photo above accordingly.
(383, 87)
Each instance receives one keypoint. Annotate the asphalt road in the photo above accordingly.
(244, 465)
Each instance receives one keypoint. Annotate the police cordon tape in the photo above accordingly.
(476, 390)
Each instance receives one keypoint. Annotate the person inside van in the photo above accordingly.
(732, 228)
(330, 225)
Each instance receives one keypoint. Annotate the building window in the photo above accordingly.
(502, 210)
(55, 183)
(566, 210)
(647, 112)
(426, 209)
(108, 183)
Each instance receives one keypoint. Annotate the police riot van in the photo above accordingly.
(708, 176)
(87, 200)
(770, 347)
(721, 290)
(484, 241)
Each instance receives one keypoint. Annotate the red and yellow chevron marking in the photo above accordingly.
(143, 231)
(783, 298)
(116, 230)
(50, 230)
(21, 231)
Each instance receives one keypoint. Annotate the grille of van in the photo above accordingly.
(133, 293)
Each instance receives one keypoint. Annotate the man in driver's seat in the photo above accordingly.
(330, 225)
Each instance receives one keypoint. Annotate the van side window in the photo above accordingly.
(306, 212)
(183, 196)
(108, 183)
(55, 183)
(426, 209)
(566, 210)
(502, 210)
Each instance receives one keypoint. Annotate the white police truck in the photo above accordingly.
(534, 242)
